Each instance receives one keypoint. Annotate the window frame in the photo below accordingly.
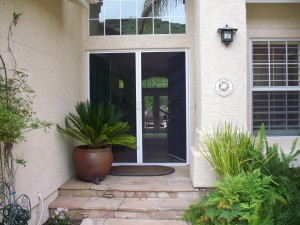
(253, 88)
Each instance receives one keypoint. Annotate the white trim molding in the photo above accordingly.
(85, 3)
(273, 1)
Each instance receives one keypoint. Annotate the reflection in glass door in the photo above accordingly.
(152, 99)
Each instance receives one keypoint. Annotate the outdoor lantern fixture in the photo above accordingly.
(227, 34)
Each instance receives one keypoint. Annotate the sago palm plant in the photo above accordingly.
(97, 126)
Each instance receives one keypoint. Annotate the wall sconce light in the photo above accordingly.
(227, 34)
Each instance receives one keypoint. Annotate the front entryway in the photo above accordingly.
(150, 89)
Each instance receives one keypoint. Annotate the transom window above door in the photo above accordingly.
(137, 17)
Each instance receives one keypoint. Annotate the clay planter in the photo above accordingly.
(92, 164)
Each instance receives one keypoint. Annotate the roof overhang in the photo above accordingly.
(273, 1)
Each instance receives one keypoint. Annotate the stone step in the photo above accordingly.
(132, 187)
(118, 221)
(130, 194)
(126, 208)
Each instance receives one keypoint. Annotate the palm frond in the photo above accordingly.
(97, 125)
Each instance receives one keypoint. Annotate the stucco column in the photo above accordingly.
(213, 60)
(216, 61)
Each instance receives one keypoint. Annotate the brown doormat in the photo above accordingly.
(141, 170)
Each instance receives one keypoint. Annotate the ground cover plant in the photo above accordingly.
(247, 198)
(260, 187)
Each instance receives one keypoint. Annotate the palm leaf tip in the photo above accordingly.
(97, 125)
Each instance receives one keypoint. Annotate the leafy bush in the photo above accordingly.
(228, 149)
(286, 181)
(245, 199)
(232, 152)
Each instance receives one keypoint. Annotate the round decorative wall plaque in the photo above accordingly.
(223, 87)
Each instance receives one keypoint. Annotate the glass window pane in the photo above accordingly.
(96, 28)
(148, 112)
(112, 27)
(277, 52)
(161, 26)
(293, 75)
(128, 9)
(144, 8)
(177, 25)
(177, 9)
(278, 110)
(161, 8)
(276, 63)
(95, 10)
(278, 75)
(145, 26)
(128, 26)
(260, 75)
(293, 52)
(260, 52)
(112, 9)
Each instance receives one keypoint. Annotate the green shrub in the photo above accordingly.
(229, 150)
(285, 180)
(244, 199)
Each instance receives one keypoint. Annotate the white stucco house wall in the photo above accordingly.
(53, 41)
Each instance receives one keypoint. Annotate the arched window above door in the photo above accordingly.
(155, 82)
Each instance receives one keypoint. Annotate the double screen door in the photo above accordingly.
(150, 90)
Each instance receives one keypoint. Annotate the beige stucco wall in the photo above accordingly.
(275, 21)
(213, 60)
(48, 43)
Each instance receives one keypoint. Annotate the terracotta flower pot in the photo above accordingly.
(92, 164)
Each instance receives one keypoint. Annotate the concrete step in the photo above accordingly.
(118, 221)
(125, 208)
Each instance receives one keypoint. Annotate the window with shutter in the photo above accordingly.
(275, 88)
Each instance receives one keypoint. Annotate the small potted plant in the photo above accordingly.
(97, 127)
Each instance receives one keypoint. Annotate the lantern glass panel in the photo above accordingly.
(227, 35)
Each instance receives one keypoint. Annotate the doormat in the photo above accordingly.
(141, 170)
